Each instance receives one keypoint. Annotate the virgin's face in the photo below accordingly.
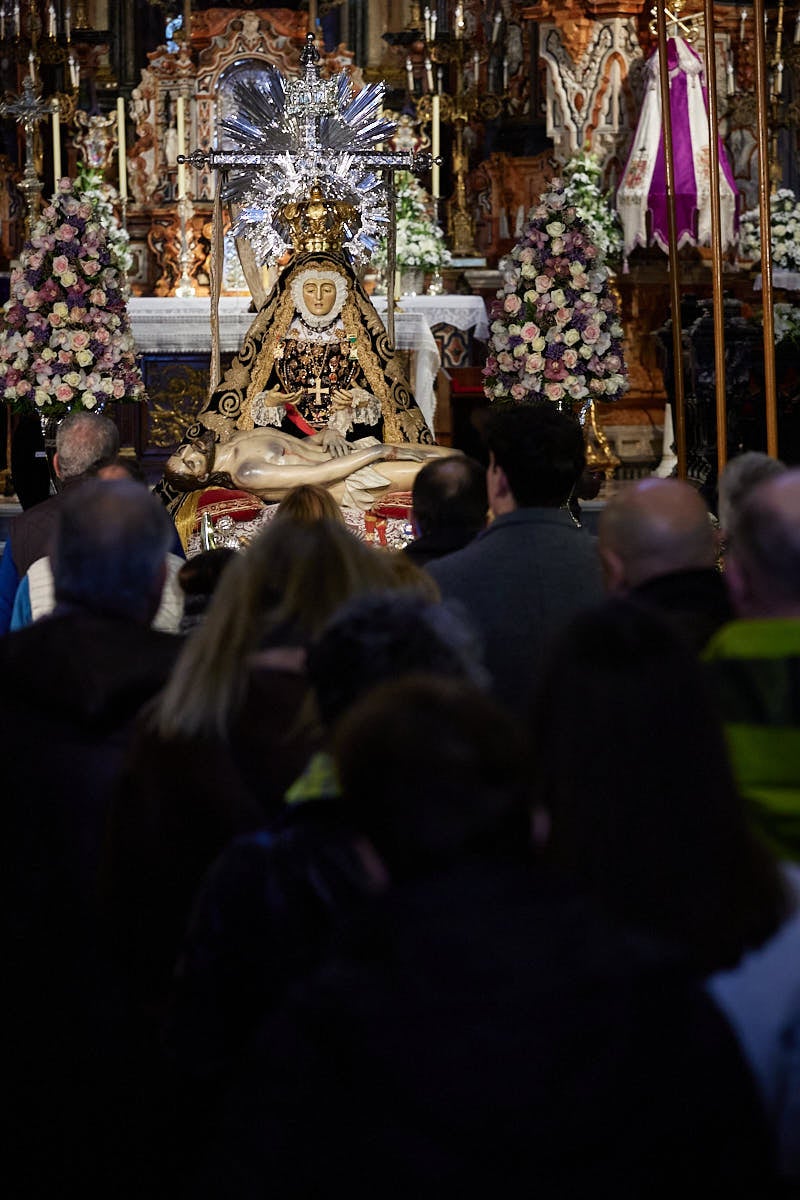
(319, 296)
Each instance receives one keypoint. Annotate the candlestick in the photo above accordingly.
(32, 66)
(498, 21)
(51, 21)
(122, 156)
(476, 67)
(459, 21)
(74, 72)
(505, 73)
(742, 19)
(56, 145)
(410, 75)
(435, 143)
(779, 80)
(179, 110)
(434, 20)
(429, 74)
(16, 19)
(731, 79)
(427, 20)
(68, 22)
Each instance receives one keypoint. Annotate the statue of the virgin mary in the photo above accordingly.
(317, 361)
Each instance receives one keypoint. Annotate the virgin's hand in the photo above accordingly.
(333, 441)
(341, 398)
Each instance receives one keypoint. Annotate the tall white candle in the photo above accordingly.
(68, 21)
(122, 154)
(410, 75)
(434, 19)
(797, 30)
(742, 19)
(427, 20)
(181, 146)
(435, 143)
(429, 74)
(16, 18)
(56, 145)
(498, 21)
(731, 80)
(459, 21)
(51, 20)
(32, 65)
(476, 68)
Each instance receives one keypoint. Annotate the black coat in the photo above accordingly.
(485, 1034)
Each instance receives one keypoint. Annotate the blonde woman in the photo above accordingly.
(217, 751)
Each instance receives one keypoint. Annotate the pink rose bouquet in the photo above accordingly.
(65, 336)
(555, 332)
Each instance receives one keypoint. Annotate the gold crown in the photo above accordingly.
(318, 223)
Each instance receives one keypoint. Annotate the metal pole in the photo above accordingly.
(762, 133)
(391, 254)
(716, 238)
(674, 278)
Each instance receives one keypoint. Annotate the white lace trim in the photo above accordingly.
(267, 414)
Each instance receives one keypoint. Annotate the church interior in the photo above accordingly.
(400, 598)
(522, 89)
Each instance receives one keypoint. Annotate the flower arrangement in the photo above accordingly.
(582, 178)
(65, 337)
(785, 231)
(555, 332)
(786, 323)
(419, 240)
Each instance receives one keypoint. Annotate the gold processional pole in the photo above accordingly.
(716, 239)
(674, 278)
(770, 395)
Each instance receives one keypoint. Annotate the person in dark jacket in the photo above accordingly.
(449, 506)
(82, 439)
(73, 685)
(658, 546)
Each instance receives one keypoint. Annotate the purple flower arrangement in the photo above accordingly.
(555, 331)
(65, 336)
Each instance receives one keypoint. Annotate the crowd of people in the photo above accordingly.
(458, 870)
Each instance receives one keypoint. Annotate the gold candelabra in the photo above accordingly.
(783, 59)
(454, 80)
(36, 35)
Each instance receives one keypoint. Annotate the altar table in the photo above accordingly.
(454, 321)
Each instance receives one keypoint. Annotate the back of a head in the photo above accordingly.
(448, 494)
(540, 449)
(282, 589)
(763, 559)
(377, 638)
(82, 439)
(739, 476)
(655, 527)
(643, 807)
(112, 540)
(449, 779)
(308, 503)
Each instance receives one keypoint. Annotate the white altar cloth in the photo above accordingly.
(463, 312)
(173, 325)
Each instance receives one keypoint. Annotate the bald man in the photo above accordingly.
(754, 661)
(657, 545)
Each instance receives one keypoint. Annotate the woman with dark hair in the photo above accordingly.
(638, 792)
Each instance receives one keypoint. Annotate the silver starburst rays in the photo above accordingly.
(290, 133)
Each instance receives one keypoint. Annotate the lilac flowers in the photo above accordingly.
(555, 331)
(65, 337)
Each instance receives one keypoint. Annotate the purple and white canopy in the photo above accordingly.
(643, 188)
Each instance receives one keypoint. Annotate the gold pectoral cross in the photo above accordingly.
(317, 390)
